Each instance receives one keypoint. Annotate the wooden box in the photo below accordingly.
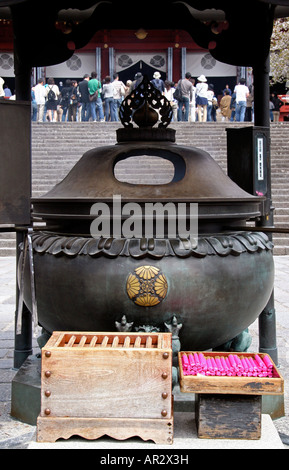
(94, 384)
(231, 385)
(228, 417)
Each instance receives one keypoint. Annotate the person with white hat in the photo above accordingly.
(158, 82)
(201, 98)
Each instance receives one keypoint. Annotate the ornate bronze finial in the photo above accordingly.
(145, 106)
(174, 328)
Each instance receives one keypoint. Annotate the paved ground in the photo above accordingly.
(14, 434)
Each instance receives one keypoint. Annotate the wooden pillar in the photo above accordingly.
(176, 64)
(261, 93)
(23, 82)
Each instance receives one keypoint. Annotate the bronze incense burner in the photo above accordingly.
(213, 285)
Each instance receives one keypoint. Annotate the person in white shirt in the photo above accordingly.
(40, 95)
(108, 91)
(193, 102)
(202, 100)
(169, 94)
(242, 91)
(118, 94)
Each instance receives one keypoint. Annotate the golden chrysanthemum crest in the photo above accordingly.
(147, 286)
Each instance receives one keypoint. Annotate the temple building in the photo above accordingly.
(171, 52)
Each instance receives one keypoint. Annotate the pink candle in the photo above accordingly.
(196, 359)
(260, 362)
(259, 367)
(203, 362)
(250, 368)
(268, 362)
(216, 369)
(202, 359)
(210, 367)
(262, 374)
(219, 365)
(244, 364)
(191, 360)
(255, 368)
(214, 364)
(193, 367)
(224, 365)
(238, 362)
(185, 362)
(232, 362)
(230, 368)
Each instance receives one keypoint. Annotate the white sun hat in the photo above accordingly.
(202, 78)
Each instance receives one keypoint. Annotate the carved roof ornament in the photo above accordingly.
(229, 44)
(145, 105)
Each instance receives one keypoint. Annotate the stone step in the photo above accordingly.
(281, 205)
(7, 243)
(281, 250)
(7, 251)
(282, 210)
(281, 221)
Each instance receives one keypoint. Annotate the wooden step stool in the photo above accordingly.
(96, 384)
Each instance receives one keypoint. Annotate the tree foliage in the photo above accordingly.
(279, 51)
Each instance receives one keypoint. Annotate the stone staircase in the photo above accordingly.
(56, 147)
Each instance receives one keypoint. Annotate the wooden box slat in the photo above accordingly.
(106, 339)
(231, 385)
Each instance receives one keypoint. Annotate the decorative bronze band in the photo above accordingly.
(222, 245)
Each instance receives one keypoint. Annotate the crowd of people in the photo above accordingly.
(203, 104)
(87, 100)
(94, 100)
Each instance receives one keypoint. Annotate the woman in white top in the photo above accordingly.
(202, 100)
(169, 94)
(108, 91)
(193, 102)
